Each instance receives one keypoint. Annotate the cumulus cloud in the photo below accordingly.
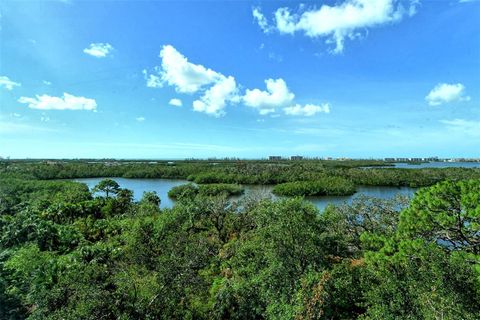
(8, 84)
(214, 91)
(338, 22)
(185, 76)
(67, 102)
(217, 89)
(277, 95)
(307, 110)
(445, 93)
(140, 119)
(464, 126)
(214, 99)
(99, 50)
(175, 102)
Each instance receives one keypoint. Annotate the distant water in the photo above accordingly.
(406, 165)
(375, 191)
(162, 186)
(138, 186)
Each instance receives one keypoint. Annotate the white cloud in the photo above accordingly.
(338, 22)
(261, 20)
(175, 102)
(277, 95)
(47, 83)
(7, 83)
(444, 93)
(140, 119)
(99, 50)
(214, 100)
(307, 110)
(264, 112)
(67, 102)
(185, 76)
(153, 81)
(216, 91)
(468, 127)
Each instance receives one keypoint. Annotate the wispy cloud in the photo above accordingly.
(99, 50)
(140, 119)
(7, 127)
(262, 21)
(307, 110)
(67, 102)
(8, 84)
(469, 127)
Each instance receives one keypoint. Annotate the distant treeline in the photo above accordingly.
(246, 172)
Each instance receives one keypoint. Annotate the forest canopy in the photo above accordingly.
(68, 253)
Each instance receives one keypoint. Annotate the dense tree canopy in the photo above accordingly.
(66, 253)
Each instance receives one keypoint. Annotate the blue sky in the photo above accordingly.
(181, 79)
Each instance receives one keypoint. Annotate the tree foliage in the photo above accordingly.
(68, 254)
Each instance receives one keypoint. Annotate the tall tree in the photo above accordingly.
(108, 186)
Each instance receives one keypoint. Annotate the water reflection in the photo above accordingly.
(162, 186)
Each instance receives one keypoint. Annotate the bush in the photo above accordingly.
(328, 186)
(185, 190)
(220, 188)
(191, 190)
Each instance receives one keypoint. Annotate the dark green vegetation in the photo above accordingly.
(248, 172)
(215, 189)
(334, 186)
(66, 253)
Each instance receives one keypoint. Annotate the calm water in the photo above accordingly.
(138, 186)
(432, 165)
(439, 165)
(162, 186)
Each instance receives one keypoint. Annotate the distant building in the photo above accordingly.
(296, 158)
(274, 158)
(390, 159)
